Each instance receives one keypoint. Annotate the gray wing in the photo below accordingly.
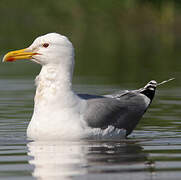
(119, 110)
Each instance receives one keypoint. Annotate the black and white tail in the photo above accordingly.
(149, 89)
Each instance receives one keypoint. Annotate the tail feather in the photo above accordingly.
(149, 89)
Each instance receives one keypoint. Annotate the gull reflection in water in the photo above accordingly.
(65, 160)
(57, 159)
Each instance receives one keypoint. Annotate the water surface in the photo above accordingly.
(118, 44)
(153, 151)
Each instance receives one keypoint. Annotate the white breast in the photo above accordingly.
(58, 111)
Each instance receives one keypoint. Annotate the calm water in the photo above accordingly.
(119, 41)
(153, 151)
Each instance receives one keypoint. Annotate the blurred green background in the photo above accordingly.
(116, 41)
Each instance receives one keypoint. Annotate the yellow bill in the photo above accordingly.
(18, 55)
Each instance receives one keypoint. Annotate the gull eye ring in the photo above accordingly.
(45, 45)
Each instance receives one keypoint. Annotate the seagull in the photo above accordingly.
(60, 113)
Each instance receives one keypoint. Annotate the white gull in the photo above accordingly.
(60, 113)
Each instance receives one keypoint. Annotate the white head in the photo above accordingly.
(51, 48)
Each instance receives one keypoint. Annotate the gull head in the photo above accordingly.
(51, 48)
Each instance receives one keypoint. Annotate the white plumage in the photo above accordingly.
(59, 113)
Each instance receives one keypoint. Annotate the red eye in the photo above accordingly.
(45, 45)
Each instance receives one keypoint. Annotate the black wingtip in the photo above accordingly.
(149, 89)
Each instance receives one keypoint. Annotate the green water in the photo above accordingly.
(118, 45)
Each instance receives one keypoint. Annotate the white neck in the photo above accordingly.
(54, 82)
(57, 108)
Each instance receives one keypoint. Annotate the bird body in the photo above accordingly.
(57, 108)
(60, 113)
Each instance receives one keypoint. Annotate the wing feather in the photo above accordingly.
(123, 111)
